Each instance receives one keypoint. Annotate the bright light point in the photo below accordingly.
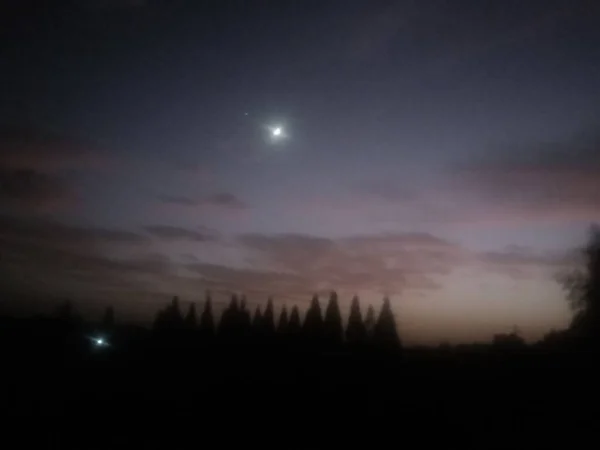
(99, 341)
(277, 133)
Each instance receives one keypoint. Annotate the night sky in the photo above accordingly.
(443, 153)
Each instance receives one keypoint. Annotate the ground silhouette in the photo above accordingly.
(186, 376)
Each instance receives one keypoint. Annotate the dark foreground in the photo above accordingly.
(150, 391)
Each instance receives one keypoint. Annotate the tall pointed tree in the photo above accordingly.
(245, 321)
(294, 327)
(229, 318)
(370, 321)
(385, 333)
(257, 320)
(333, 329)
(191, 320)
(268, 319)
(173, 315)
(282, 324)
(207, 320)
(356, 331)
(313, 322)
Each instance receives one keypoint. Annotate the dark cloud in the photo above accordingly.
(43, 151)
(580, 151)
(171, 233)
(556, 181)
(33, 190)
(393, 262)
(51, 257)
(388, 262)
(178, 200)
(52, 234)
(33, 165)
(224, 200)
(521, 262)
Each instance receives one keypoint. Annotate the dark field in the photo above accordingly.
(181, 389)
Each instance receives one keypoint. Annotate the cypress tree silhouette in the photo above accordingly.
(258, 330)
(268, 319)
(244, 310)
(385, 333)
(257, 320)
(191, 320)
(333, 329)
(282, 325)
(173, 317)
(313, 323)
(294, 327)
(370, 321)
(229, 319)
(207, 321)
(356, 332)
(245, 323)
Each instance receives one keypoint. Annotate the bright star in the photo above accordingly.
(277, 131)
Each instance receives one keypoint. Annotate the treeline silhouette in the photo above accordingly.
(311, 383)
(320, 332)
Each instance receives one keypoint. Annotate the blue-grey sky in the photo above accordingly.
(443, 153)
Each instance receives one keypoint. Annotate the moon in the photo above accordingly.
(276, 133)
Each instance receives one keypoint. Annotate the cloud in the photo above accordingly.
(56, 234)
(551, 182)
(254, 282)
(387, 262)
(521, 262)
(42, 256)
(42, 151)
(224, 200)
(33, 190)
(171, 233)
(33, 165)
(178, 200)
(390, 263)
(53, 258)
(555, 181)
